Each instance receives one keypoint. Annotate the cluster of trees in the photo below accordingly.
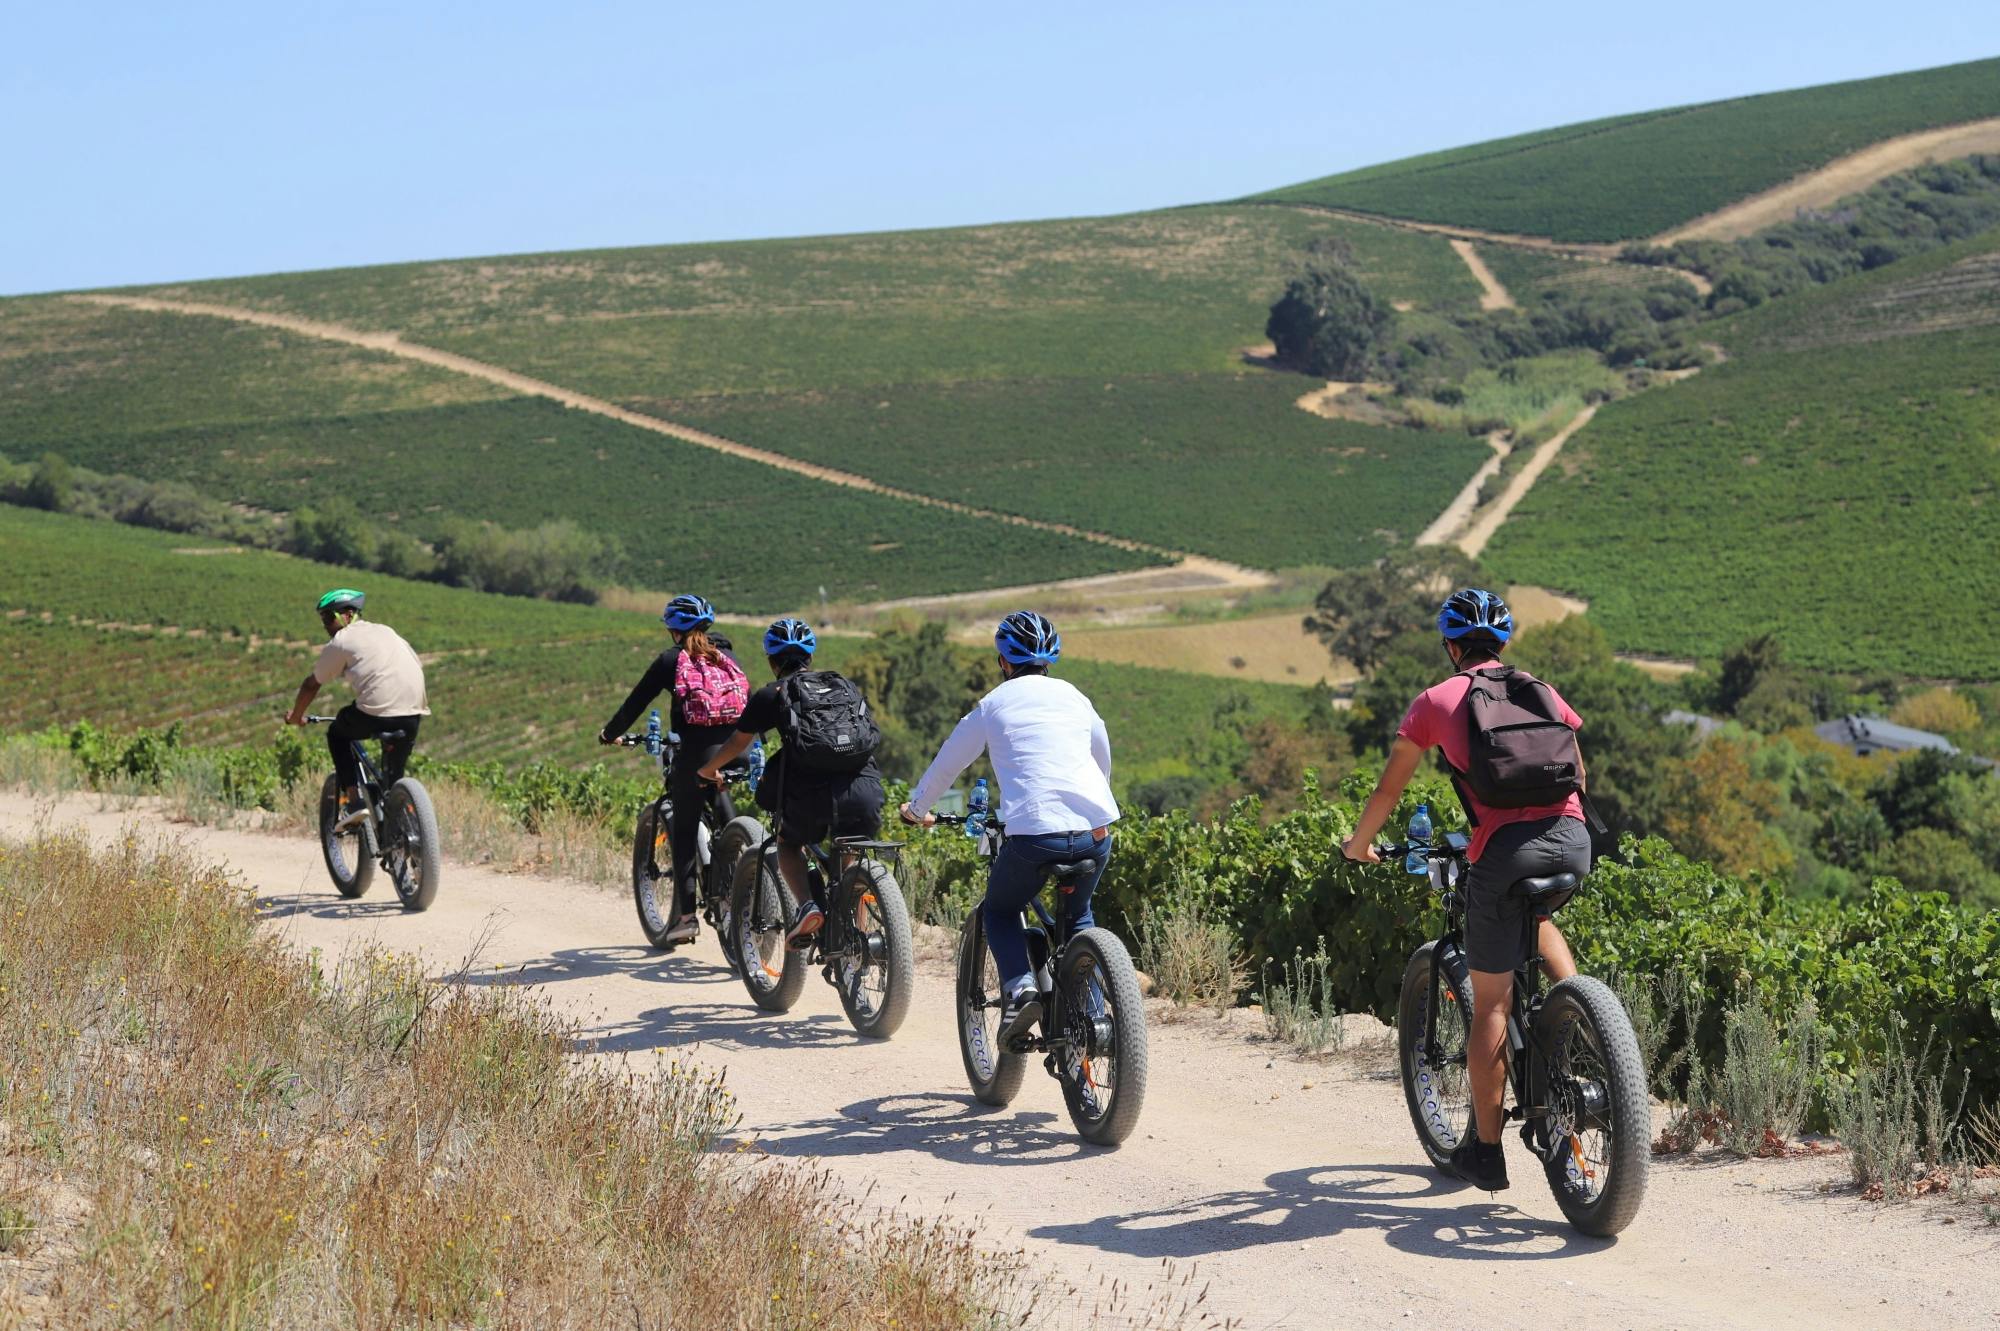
(1760, 794)
(556, 561)
(1902, 216)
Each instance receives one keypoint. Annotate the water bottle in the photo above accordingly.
(975, 808)
(1419, 830)
(756, 762)
(653, 733)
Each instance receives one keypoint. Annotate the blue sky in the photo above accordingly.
(162, 142)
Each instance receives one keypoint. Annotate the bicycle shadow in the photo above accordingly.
(1298, 1205)
(327, 908)
(953, 1127)
(634, 960)
(725, 1027)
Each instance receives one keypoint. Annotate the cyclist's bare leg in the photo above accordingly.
(1556, 958)
(792, 868)
(1486, 1046)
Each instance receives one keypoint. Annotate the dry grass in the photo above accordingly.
(204, 1130)
(1193, 960)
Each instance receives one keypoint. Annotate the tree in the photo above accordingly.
(1716, 809)
(1361, 611)
(1940, 710)
(49, 484)
(1329, 322)
(918, 684)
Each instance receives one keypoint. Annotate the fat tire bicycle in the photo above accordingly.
(863, 949)
(722, 837)
(1092, 1032)
(1572, 1061)
(400, 832)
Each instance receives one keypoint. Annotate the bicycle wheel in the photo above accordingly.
(994, 1074)
(877, 966)
(653, 871)
(1103, 1066)
(414, 858)
(739, 837)
(1438, 1090)
(1587, 1069)
(348, 862)
(759, 916)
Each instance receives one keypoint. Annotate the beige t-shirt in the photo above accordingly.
(383, 670)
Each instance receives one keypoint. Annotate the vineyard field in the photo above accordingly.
(1845, 498)
(1634, 176)
(1226, 465)
(1956, 286)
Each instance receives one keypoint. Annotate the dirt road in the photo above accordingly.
(1289, 1189)
(1492, 295)
(1473, 540)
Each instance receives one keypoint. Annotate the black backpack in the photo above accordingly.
(827, 727)
(1522, 754)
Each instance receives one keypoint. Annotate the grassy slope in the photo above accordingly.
(1846, 497)
(1634, 176)
(1225, 464)
(277, 420)
(514, 679)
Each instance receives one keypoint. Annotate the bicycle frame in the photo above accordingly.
(1058, 933)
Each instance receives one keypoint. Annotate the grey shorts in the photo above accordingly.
(1495, 923)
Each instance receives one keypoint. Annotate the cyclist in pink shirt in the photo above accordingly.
(1507, 846)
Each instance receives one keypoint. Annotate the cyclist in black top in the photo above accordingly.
(810, 805)
(688, 619)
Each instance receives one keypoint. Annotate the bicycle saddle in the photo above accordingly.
(1067, 871)
(1546, 894)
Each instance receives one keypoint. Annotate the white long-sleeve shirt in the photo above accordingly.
(1050, 753)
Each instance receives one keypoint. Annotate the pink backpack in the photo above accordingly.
(712, 693)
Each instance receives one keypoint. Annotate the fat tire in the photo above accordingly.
(351, 880)
(899, 961)
(993, 1073)
(1582, 1001)
(1128, 1016)
(739, 837)
(409, 811)
(757, 878)
(649, 838)
(1419, 1086)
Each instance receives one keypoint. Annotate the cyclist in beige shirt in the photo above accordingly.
(388, 683)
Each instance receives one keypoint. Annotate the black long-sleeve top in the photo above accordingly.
(658, 679)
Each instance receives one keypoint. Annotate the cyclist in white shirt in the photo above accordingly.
(1052, 757)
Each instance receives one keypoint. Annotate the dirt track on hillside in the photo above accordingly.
(1492, 296)
(1473, 540)
(1838, 179)
(1290, 1189)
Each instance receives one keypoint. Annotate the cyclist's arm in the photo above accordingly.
(1100, 745)
(307, 692)
(1404, 755)
(966, 742)
(732, 749)
(659, 676)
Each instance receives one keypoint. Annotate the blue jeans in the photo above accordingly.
(1016, 878)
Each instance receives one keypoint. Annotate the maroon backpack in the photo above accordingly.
(1521, 753)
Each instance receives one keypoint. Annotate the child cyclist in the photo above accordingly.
(1052, 756)
(1508, 844)
(815, 790)
(707, 688)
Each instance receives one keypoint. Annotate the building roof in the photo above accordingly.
(1867, 734)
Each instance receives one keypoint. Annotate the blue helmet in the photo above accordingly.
(1026, 638)
(1474, 613)
(687, 613)
(790, 635)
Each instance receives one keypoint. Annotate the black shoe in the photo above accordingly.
(1023, 1009)
(1482, 1164)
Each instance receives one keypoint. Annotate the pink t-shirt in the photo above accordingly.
(1437, 720)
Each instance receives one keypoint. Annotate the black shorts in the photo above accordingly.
(1495, 923)
(849, 807)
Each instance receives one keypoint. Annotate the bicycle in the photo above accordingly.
(400, 832)
(1092, 1034)
(721, 838)
(1573, 1062)
(863, 949)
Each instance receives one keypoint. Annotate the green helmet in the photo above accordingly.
(342, 598)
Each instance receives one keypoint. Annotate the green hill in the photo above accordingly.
(1634, 176)
(1836, 482)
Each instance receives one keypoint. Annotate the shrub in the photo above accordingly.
(1193, 960)
(1768, 1075)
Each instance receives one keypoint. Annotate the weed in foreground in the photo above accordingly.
(1299, 1007)
(1193, 960)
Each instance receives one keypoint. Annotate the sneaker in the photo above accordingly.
(805, 924)
(1482, 1164)
(684, 929)
(1021, 1011)
(349, 821)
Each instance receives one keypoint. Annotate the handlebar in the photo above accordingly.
(990, 823)
(319, 720)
